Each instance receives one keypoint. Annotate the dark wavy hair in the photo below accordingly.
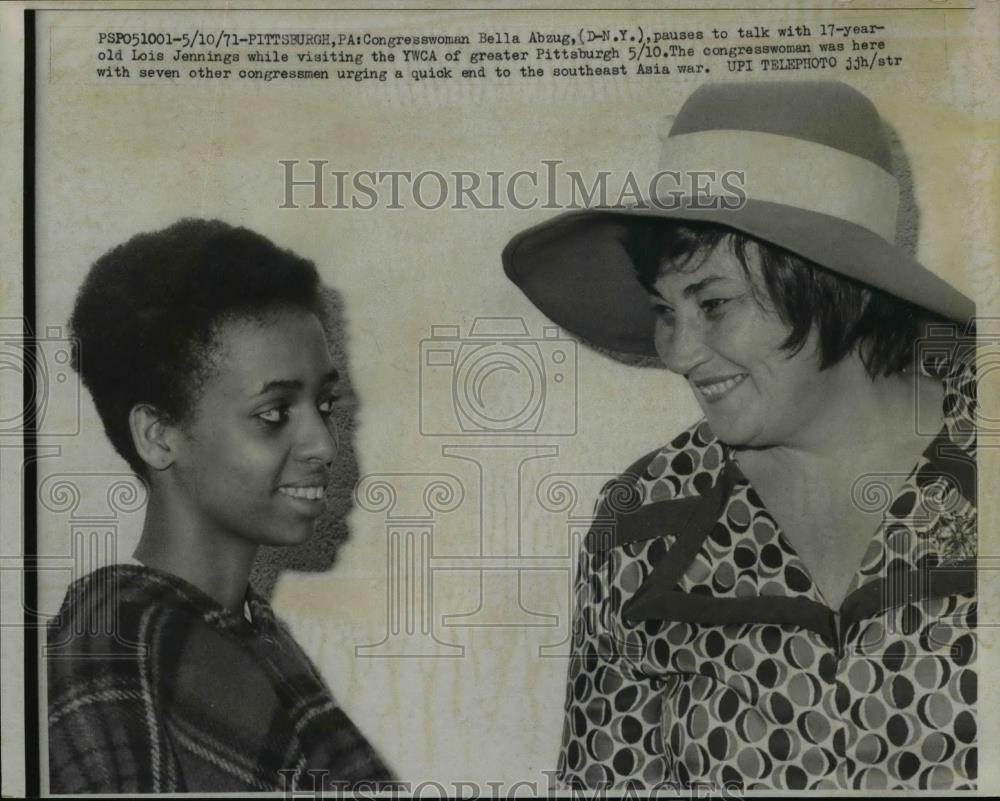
(146, 316)
(846, 314)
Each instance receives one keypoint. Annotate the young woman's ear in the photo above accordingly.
(152, 435)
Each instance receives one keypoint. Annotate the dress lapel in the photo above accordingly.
(690, 521)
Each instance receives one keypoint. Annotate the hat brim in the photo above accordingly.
(576, 270)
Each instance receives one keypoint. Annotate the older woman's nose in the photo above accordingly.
(681, 344)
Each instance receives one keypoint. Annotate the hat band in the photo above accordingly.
(836, 183)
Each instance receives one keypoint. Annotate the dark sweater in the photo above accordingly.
(155, 687)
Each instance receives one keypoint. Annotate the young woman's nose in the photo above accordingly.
(318, 439)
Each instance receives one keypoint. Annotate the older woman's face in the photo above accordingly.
(718, 330)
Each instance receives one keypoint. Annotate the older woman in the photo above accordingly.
(783, 596)
(203, 348)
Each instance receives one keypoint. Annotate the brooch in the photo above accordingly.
(954, 535)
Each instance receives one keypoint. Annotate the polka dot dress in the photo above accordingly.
(704, 654)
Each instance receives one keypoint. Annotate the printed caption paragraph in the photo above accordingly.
(196, 55)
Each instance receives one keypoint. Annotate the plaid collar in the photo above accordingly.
(139, 583)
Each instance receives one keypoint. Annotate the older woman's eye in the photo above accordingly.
(661, 309)
(714, 305)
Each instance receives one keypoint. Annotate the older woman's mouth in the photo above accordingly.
(713, 389)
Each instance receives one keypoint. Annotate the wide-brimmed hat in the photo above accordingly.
(810, 170)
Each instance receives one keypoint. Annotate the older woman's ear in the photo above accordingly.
(153, 436)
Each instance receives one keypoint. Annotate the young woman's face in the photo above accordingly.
(717, 330)
(254, 460)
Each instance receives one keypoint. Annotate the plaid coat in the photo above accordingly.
(155, 687)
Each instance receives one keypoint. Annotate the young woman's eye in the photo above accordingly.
(275, 416)
(326, 406)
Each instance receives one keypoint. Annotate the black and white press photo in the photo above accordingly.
(420, 400)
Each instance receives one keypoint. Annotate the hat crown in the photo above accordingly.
(825, 112)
